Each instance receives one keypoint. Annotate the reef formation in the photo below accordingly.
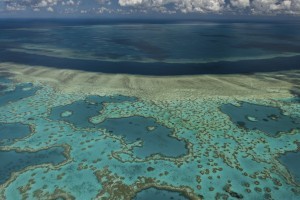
(82, 146)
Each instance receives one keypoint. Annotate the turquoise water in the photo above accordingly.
(13, 131)
(56, 145)
(13, 161)
(258, 117)
(81, 111)
(20, 92)
(152, 193)
(292, 161)
(126, 145)
(155, 138)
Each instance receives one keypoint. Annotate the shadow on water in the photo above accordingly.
(151, 50)
(275, 47)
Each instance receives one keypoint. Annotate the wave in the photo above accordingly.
(71, 54)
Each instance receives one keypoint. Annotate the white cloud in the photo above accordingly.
(183, 5)
(163, 6)
(69, 2)
(42, 4)
(130, 2)
(240, 3)
(50, 9)
(283, 5)
(275, 6)
(15, 7)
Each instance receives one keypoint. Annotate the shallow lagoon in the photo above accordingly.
(121, 146)
(269, 120)
(11, 132)
(21, 91)
(292, 161)
(116, 146)
(79, 113)
(155, 138)
(12, 161)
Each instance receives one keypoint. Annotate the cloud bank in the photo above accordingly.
(255, 7)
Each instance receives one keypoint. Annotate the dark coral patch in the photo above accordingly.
(153, 193)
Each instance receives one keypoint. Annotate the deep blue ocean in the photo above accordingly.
(150, 47)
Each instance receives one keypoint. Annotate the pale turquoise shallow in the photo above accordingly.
(181, 149)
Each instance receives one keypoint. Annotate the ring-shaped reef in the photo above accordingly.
(14, 161)
(79, 112)
(267, 119)
(155, 138)
(291, 160)
(21, 91)
(10, 132)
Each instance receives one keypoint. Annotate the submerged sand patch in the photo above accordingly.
(261, 85)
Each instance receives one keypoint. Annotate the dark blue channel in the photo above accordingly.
(156, 68)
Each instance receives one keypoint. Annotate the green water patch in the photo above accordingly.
(12, 131)
(292, 162)
(79, 112)
(155, 138)
(159, 194)
(4, 80)
(13, 161)
(269, 120)
(21, 91)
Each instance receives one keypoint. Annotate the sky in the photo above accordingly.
(62, 8)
